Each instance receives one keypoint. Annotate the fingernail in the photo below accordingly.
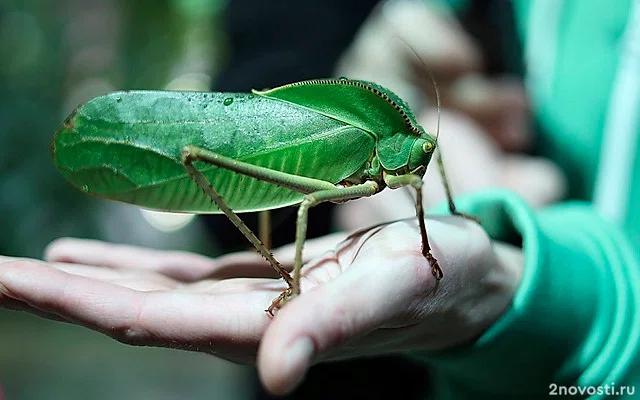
(297, 359)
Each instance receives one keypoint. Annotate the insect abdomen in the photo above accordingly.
(116, 154)
(180, 194)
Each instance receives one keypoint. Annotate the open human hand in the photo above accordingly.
(373, 293)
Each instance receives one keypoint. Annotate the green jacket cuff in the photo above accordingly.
(574, 319)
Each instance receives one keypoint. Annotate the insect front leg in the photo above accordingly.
(447, 189)
(189, 154)
(397, 181)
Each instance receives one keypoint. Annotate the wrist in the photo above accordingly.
(572, 306)
(503, 275)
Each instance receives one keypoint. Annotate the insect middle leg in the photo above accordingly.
(264, 228)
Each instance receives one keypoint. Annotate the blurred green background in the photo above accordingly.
(55, 55)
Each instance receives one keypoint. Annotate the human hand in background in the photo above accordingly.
(484, 127)
(372, 294)
(403, 41)
(473, 161)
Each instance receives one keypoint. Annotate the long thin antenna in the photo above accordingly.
(439, 108)
(445, 181)
(433, 81)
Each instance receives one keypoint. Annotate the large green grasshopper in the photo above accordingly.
(303, 143)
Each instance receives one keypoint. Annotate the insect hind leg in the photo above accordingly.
(190, 154)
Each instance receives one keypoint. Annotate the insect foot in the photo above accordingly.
(435, 267)
(280, 301)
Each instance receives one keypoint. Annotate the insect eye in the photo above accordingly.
(428, 147)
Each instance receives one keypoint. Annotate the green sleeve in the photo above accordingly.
(575, 317)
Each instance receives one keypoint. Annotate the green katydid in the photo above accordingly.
(302, 143)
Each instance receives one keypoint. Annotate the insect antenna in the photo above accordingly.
(435, 86)
(438, 105)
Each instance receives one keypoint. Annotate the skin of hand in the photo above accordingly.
(372, 294)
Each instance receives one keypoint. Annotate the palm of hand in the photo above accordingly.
(373, 294)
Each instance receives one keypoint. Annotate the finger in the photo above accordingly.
(49, 290)
(511, 126)
(537, 180)
(176, 264)
(385, 49)
(184, 266)
(312, 247)
(499, 105)
(251, 264)
(326, 316)
(132, 279)
(225, 324)
(445, 46)
(16, 305)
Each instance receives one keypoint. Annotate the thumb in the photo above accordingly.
(327, 316)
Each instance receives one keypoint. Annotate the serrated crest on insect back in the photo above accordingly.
(366, 86)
